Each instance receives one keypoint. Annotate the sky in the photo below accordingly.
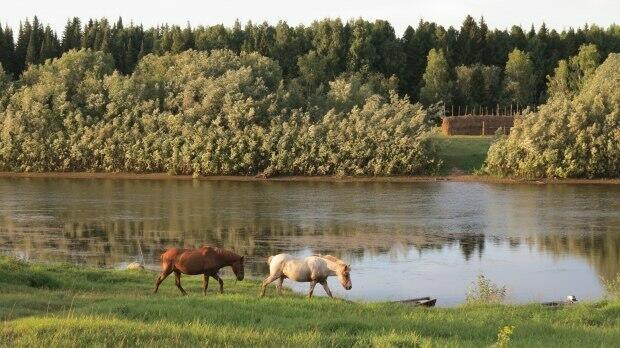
(497, 13)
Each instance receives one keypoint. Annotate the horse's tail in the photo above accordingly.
(269, 260)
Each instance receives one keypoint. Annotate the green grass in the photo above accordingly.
(462, 154)
(62, 305)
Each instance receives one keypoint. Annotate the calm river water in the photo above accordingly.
(403, 240)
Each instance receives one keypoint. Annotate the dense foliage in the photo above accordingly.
(320, 52)
(570, 136)
(207, 113)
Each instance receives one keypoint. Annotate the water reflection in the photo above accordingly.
(373, 225)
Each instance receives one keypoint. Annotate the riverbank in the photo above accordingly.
(63, 305)
(404, 179)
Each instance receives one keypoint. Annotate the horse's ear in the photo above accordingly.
(242, 258)
(349, 268)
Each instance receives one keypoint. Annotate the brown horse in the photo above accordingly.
(206, 261)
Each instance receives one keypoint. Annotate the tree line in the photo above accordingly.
(470, 66)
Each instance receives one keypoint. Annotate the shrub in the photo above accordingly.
(200, 113)
(612, 287)
(484, 291)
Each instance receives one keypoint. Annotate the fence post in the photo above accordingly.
(482, 127)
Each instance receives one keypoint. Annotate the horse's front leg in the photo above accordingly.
(205, 283)
(312, 285)
(217, 277)
(329, 292)
(161, 278)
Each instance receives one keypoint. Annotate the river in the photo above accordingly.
(403, 240)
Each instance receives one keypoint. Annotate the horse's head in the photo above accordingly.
(344, 275)
(238, 267)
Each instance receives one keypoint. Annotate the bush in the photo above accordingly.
(484, 291)
(612, 287)
(566, 138)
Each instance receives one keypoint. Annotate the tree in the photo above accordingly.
(470, 85)
(72, 35)
(49, 46)
(32, 56)
(416, 45)
(21, 47)
(569, 77)
(362, 53)
(519, 81)
(7, 49)
(584, 64)
(5, 84)
(470, 41)
(560, 83)
(492, 76)
(436, 79)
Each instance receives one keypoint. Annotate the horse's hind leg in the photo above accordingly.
(177, 281)
(270, 278)
(165, 273)
(279, 284)
(312, 285)
(219, 280)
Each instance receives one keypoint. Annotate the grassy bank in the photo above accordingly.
(462, 154)
(64, 305)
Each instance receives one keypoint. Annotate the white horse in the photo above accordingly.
(314, 269)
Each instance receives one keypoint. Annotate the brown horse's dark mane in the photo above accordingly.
(226, 255)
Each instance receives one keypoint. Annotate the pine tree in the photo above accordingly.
(49, 46)
(21, 48)
(72, 35)
(105, 41)
(470, 42)
(7, 49)
(32, 56)
(130, 58)
(178, 40)
(141, 53)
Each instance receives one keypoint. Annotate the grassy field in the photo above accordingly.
(462, 154)
(60, 305)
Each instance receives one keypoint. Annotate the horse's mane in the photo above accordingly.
(331, 258)
(226, 254)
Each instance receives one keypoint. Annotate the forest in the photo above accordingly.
(469, 60)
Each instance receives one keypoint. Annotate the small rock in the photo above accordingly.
(135, 265)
